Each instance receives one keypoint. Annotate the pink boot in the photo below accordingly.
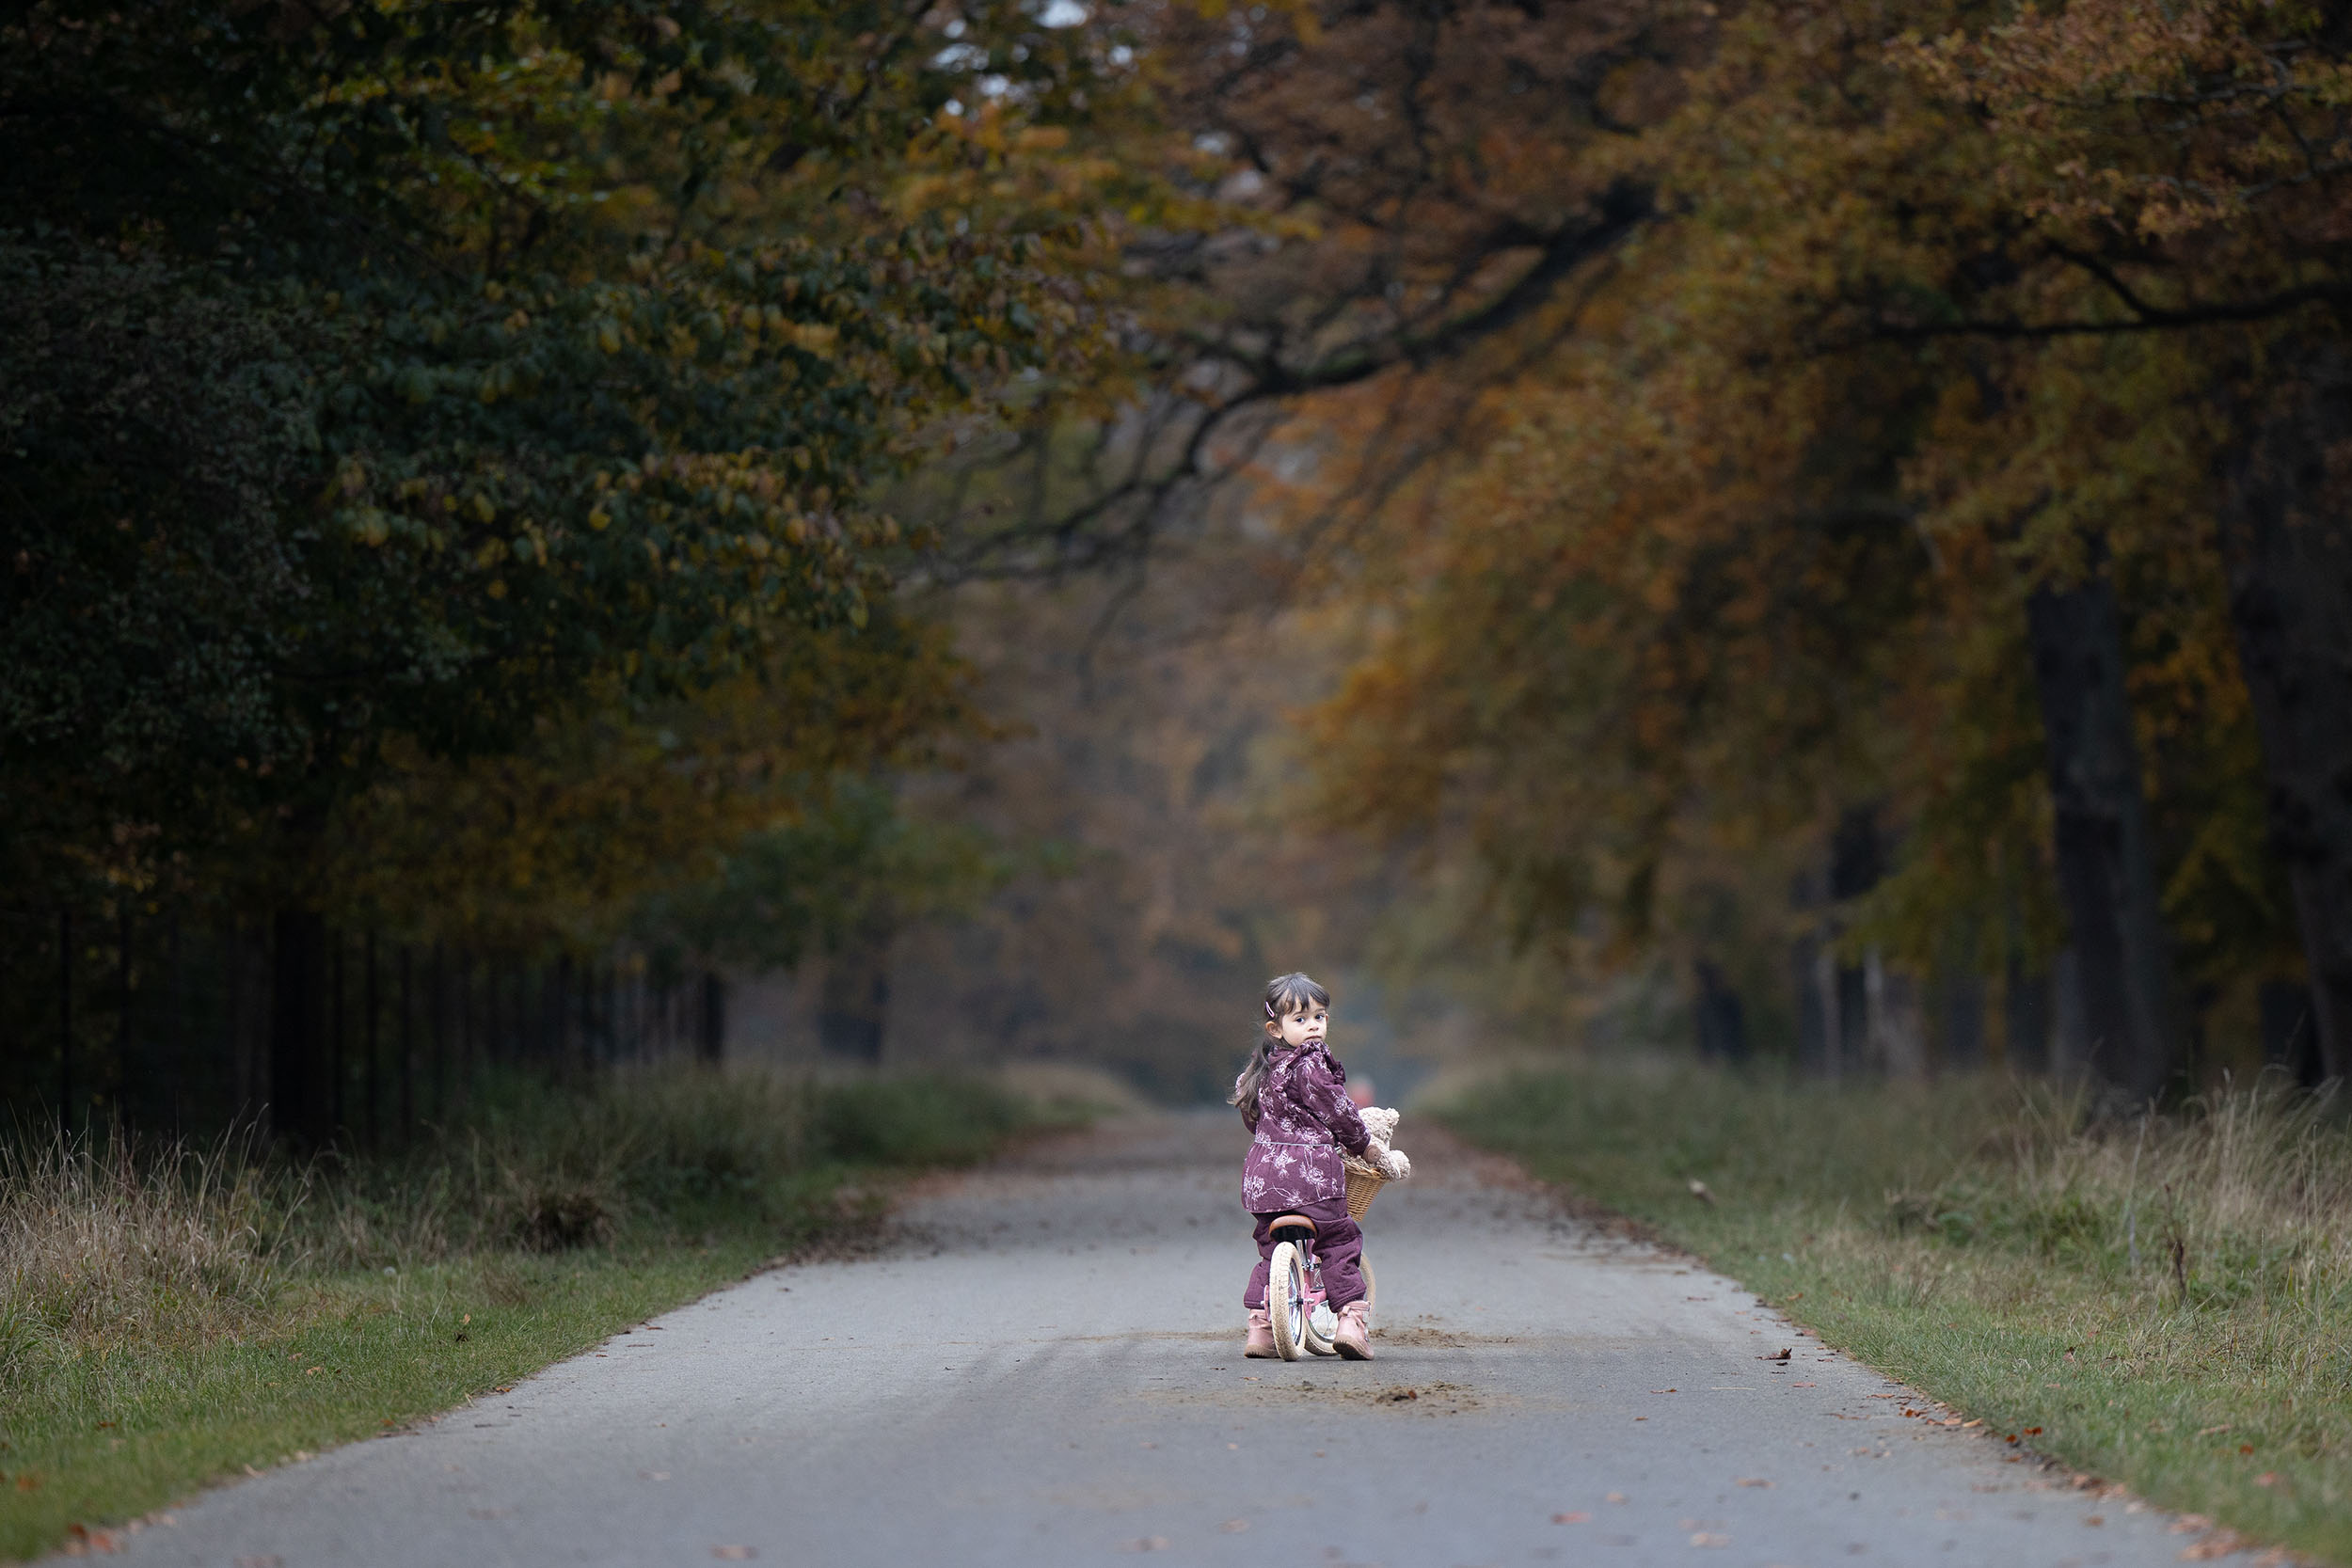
(1354, 1335)
(1261, 1346)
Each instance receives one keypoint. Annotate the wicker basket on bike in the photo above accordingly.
(1364, 1181)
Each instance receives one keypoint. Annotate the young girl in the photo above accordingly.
(1293, 1095)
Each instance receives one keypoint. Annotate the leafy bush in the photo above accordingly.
(914, 1120)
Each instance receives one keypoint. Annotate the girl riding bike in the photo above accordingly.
(1294, 1097)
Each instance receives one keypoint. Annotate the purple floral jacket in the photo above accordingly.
(1302, 1119)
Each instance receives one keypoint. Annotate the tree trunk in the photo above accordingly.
(2024, 1017)
(2285, 1009)
(2106, 869)
(66, 1085)
(1829, 998)
(712, 1036)
(1817, 1005)
(297, 1087)
(1960, 1018)
(856, 1004)
(2286, 537)
(1898, 1044)
(1856, 862)
(1721, 1022)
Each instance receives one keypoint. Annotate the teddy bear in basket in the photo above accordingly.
(1382, 1123)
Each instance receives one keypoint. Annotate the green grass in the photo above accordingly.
(168, 1320)
(2168, 1301)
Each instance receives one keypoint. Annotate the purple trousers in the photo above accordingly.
(1337, 1242)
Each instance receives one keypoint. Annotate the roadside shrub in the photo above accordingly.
(913, 1120)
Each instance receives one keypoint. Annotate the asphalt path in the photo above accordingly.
(1044, 1367)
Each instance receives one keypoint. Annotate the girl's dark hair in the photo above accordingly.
(1285, 994)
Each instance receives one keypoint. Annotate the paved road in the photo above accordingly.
(1048, 1373)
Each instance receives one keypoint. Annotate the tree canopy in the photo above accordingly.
(392, 381)
(1838, 485)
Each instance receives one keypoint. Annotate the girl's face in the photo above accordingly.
(1302, 1027)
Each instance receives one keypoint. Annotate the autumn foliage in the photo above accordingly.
(1936, 454)
(1833, 502)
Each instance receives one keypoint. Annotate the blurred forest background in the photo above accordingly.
(868, 531)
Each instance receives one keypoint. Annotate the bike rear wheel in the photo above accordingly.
(1286, 1300)
(1321, 1323)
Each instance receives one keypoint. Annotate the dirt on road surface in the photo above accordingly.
(1042, 1366)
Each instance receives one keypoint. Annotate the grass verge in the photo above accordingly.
(177, 1317)
(2163, 1301)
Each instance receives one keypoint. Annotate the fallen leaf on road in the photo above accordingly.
(1804, 1386)
(1751, 1481)
(2033, 1432)
(1146, 1543)
(1579, 1518)
(2246, 1447)
(733, 1553)
(1784, 1355)
(1613, 1498)
(261, 1563)
(1234, 1526)
(1704, 1539)
(2189, 1524)
(1663, 1390)
(2221, 1543)
(2096, 1519)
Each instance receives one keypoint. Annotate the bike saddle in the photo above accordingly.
(1291, 1222)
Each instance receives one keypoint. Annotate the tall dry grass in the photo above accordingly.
(2164, 1298)
(118, 1243)
(2247, 1191)
(107, 1239)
